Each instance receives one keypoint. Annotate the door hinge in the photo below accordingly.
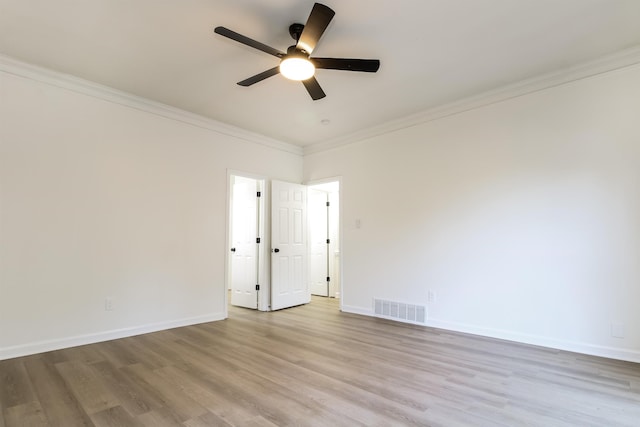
(259, 194)
(328, 204)
(257, 287)
(328, 241)
(328, 279)
(257, 240)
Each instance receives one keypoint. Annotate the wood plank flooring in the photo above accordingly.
(314, 366)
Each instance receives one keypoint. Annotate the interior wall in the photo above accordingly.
(99, 200)
(522, 217)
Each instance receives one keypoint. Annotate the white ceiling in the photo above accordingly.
(432, 52)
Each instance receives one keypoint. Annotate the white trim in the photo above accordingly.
(357, 310)
(57, 344)
(572, 346)
(75, 84)
(619, 60)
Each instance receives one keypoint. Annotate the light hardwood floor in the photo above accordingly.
(314, 366)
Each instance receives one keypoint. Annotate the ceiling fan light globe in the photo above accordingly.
(297, 68)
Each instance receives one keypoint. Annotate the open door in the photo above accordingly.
(324, 238)
(319, 241)
(289, 281)
(245, 222)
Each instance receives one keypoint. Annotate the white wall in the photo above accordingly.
(100, 200)
(523, 217)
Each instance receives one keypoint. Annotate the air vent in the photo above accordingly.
(400, 311)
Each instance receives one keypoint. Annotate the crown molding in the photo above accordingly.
(19, 68)
(622, 59)
(619, 60)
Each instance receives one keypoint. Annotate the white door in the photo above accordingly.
(318, 246)
(244, 246)
(289, 281)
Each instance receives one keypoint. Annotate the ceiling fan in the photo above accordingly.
(297, 64)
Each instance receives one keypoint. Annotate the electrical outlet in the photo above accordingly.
(617, 330)
(431, 296)
(108, 304)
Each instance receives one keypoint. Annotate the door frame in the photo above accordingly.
(265, 243)
(340, 226)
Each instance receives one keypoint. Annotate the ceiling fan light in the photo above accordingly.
(297, 68)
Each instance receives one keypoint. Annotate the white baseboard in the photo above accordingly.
(576, 347)
(572, 346)
(357, 310)
(66, 342)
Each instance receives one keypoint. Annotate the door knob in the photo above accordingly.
(233, 249)
(276, 250)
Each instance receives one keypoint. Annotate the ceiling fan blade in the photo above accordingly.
(260, 77)
(318, 21)
(365, 65)
(247, 41)
(314, 89)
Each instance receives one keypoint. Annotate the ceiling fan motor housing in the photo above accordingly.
(293, 51)
(296, 30)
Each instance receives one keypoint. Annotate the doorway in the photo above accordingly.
(324, 238)
(284, 242)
